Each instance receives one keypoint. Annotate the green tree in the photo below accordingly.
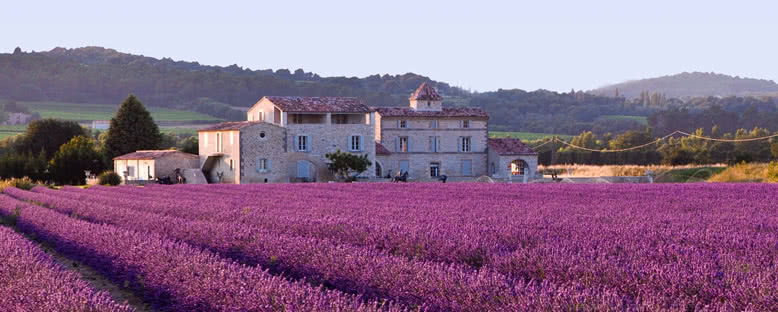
(189, 145)
(774, 149)
(131, 129)
(72, 159)
(47, 135)
(347, 166)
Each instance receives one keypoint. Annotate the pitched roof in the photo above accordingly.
(380, 149)
(152, 154)
(307, 104)
(230, 125)
(510, 147)
(445, 112)
(426, 92)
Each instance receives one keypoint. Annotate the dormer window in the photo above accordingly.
(403, 124)
(465, 123)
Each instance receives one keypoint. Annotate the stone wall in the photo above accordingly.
(419, 164)
(263, 141)
(327, 138)
(167, 165)
(498, 166)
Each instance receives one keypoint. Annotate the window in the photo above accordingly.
(297, 118)
(467, 167)
(261, 116)
(428, 103)
(263, 165)
(303, 143)
(402, 144)
(219, 147)
(433, 124)
(465, 123)
(403, 124)
(232, 165)
(355, 143)
(435, 169)
(340, 119)
(465, 144)
(262, 135)
(434, 144)
(232, 137)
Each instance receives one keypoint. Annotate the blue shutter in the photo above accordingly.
(396, 144)
(361, 143)
(296, 143)
(459, 144)
(267, 164)
(472, 145)
(437, 144)
(309, 143)
(398, 123)
(409, 144)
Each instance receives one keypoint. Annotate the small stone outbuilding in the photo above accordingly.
(150, 164)
(512, 160)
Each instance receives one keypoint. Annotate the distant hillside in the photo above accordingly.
(694, 84)
(96, 75)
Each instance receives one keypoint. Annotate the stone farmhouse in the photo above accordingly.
(428, 140)
(285, 139)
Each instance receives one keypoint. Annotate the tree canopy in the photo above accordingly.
(131, 129)
(47, 135)
(72, 159)
(347, 166)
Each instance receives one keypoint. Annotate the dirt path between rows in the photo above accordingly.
(91, 276)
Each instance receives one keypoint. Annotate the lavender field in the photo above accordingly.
(430, 247)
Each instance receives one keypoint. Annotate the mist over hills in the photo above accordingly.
(694, 84)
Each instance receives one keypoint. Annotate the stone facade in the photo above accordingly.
(275, 145)
(422, 153)
(149, 165)
(500, 166)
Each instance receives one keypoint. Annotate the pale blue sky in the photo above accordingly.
(481, 45)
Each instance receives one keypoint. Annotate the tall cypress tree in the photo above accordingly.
(131, 129)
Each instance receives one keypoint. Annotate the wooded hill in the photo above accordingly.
(100, 75)
(695, 84)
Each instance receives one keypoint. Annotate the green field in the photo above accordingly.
(77, 111)
(8, 131)
(526, 136)
(683, 175)
(639, 119)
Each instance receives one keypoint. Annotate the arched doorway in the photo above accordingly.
(518, 167)
(306, 171)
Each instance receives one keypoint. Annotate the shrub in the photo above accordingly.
(742, 172)
(20, 183)
(109, 178)
(772, 172)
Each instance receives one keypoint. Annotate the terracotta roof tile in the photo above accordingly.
(302, 104)
(230, 125)
(380, 149)
(446, 112)
(510, 147)
(152, 154)
(426, 92)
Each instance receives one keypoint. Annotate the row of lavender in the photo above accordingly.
(651, 247)
(371, 273)
(173, 275)
(30, 280)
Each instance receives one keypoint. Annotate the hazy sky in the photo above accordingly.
(481, 45)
